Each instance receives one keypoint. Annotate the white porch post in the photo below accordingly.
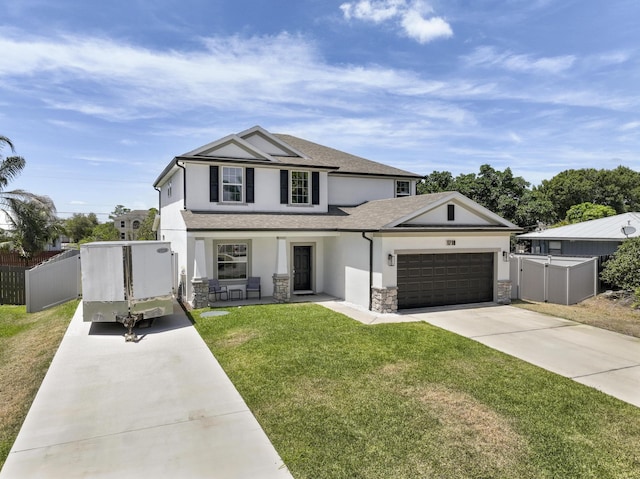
(199, 282)
(281, 291)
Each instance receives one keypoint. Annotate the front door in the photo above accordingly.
(302, 268)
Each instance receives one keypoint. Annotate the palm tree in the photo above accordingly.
(22, 207)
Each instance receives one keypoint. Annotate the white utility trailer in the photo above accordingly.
(126, 281)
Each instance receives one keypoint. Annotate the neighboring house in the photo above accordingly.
(306, 218)
(128, 224)
(599, 237)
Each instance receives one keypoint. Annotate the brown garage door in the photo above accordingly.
(441, 279)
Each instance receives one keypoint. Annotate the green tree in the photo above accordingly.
(588, 211)
(10, 168)
(80, 225)
(145, 232)
(623, 270)
(436, 182)
(102, 232)
(32, 226)
(119, 210)
(618, 188)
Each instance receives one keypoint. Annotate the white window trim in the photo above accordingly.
(408, 182)
(309, 193)
(242, 185)
(246, 262)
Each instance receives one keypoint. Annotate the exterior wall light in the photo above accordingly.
(391, 260)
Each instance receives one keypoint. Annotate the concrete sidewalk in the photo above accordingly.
(607, 361)
(160, 408)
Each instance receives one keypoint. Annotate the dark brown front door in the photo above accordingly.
(302, 268)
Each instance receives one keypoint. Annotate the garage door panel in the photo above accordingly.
(442, 279)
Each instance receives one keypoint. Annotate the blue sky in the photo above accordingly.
(100, 96)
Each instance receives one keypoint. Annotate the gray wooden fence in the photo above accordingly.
(54, 282)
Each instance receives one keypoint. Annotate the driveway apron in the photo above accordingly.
(162, 408)
(607, 361)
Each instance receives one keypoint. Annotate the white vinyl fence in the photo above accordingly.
(53, 282)
(552, 279)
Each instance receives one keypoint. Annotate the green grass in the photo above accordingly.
(339, 399)
(27, 345)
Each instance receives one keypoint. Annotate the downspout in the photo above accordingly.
(184, 184)
(370, 266)
(156, 220)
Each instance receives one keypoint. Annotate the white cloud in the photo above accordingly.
(425, 30)
(490, 57)
(373, 11)
(632, 125)
(414, 19)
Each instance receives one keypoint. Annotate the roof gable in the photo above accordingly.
(231, 146)
(467, 213)
(265, 141)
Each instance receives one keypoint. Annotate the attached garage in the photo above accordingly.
(443, 279)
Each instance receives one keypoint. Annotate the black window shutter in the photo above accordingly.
(214, 194)
(284, 187)
(315, 188)
(250, 189)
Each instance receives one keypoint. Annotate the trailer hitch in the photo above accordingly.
(129, 321)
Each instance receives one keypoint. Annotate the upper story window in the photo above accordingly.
(169, 189)
(232, 183)
(451, 212)
(299, 187)
(122, 224)
(403, 188)
(135, 225)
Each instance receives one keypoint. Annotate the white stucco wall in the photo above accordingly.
(353, 190)
(347, 270)
(267, 192)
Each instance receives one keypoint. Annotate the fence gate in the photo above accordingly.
(54, 282)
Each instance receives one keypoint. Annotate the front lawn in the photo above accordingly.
(339, 399)
(27, 345)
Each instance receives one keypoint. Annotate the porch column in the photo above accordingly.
(199, 282)
(281, 291)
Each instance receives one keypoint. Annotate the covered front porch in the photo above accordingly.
(288, 265)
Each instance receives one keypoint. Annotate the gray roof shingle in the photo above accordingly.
(347, 163)
(371, 216)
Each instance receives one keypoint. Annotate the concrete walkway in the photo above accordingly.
(607, 361)
(159, 408)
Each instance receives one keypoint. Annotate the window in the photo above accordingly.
(232, 261)
(135, 225)
(555, 247)
(299, 187)
(122, 224)
(123, 236)
(403, 188)
(169, 189)
(451, 212)
(232, 184)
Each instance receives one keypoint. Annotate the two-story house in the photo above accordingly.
(129, 223)
(307, 218)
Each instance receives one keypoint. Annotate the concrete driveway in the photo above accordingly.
(607, 361)
(161, 408)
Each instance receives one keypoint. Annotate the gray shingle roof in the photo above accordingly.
(371, 216)
(346, 162)
(608, 228)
